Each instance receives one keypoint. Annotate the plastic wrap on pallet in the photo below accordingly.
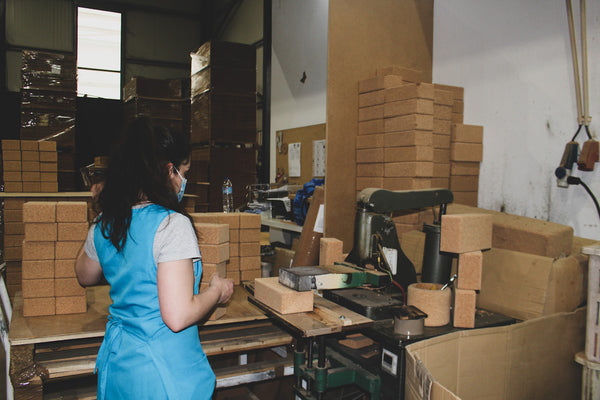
(32, 118)
(169, 109)
(156, 88)
(45, 99)
(44, 70)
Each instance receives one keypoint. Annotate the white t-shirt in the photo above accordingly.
(175, 239)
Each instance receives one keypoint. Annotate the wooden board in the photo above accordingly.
(326, 318)
(369, 35)
(304, 135)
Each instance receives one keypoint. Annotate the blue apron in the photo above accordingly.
(140, 357)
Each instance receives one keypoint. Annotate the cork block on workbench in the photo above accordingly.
(71, 304)
(249, 263)
(212, 233)
(39, 211)
(249, 220)
(464, 308)
(33, 288)
(64, 268)
(71, 211)
(463, 233)
(37, 269)
(281, 298)
(330, 251)
(231, 219)
(39, 306)
(40, 232)
(68, 250)
(38, 251)
(72, 231)
(469, 270)
(249, 235)
(68, 287)
(214, 253)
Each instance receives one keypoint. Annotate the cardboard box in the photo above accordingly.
(529, 360)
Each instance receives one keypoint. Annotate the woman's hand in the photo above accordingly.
(225, 287)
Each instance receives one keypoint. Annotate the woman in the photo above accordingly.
(144, 244)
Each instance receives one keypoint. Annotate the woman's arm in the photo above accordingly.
(88, 271)
(179, 307)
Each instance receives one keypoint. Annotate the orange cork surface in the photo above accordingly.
(464, 308)
(71, 211)
(38, 269)
(67, 250)
(429, 298)
(463, 233)
(469, 270)
(250, 275)
(280, 298)
(68, 287)
(39, 211)
(249, 235)
(249, 220)
(39, 306)
(249, 263)
(212, 233)
(208, 270)
(72, 231)
(214, 253)
(64, 268)
(71, 304)
(330, 251)
(40, 232)
(249, 249)
(33, 288)
(231, 219)
(38, 251)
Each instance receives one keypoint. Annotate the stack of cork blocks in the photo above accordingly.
(466, 154)
(213, 240)
(54, 232)
(29, 166)
(244, 243)
(405, 135)
(466, 235)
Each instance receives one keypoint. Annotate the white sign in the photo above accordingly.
(294, 150)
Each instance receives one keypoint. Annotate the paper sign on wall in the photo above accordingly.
(318, 158)
(294, 165)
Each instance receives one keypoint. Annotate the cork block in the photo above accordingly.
(48, 187)
(214, 253)
(30, 156)
(13, 187)
(441, 156)
(40, 232)
(330, 251)
(234, 276)
(33, 307)
(441, 170)
(13, 240)
(369, 155)
(71, 231)
(441, 111)
(467, 133)
(466, 151)
(48, 176)
(409, 169)
(408, 122)
(407, 74)
(369, 141)
(39, 211)
(71, 304)
(404, 183)
(368, 182)
(409, 91)
(14, 228)
(249, 263)
(405, 107)
(46, 145)
(37, 288)
(407, 138)
(12, 176)
(250, 274)
(14, 204)
(212, 233)
(280, 298)
(234, 235)
(234, 249)
(249, 249)
(71, 211)
(48, 167)
(249, 220)
(208, 270)
(409, 153)
(370, 169)
(463, 233)
(458, 92)
(68, 287)
(68, 250)
(233, 264)
(441, 96)
(48, 157)
(231, 219)
(379, 82)
(371, 98)
(31, 187)
(466, 198)
(11, 165)
(464, 168)
(38, 251)
(370, 112)
(441, 141)
(11, 144)
(218, 313)
(464, 308)
(64, 268)
(464, 183)
(442, 126)
(440, 183)
(371, 127)
(469, 270)
(249, 235)
(11, 155)
(29, 145)
(13, 215)
(13, 253)
(30, 166)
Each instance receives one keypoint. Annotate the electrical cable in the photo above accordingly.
(573, 180)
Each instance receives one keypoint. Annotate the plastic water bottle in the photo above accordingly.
(227, 196)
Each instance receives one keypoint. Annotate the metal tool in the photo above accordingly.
(325, 277)
(450, 282)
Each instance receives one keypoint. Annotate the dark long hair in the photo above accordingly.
(137, 171)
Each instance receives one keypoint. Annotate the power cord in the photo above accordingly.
(573, 180)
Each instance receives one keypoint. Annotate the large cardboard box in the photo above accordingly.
(528, 360)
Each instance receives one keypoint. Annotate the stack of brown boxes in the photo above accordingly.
(48, 108)
(29, 166)
(466, 154)
(442, 121)
(244, 243)
(213, 240)
(54, 233)
(223, 122)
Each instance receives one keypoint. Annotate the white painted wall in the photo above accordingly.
(513, 59)
(299, 39)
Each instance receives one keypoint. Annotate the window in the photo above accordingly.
(98, 53)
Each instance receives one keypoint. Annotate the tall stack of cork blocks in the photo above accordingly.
(53, 234)
(29, 166)
(411, 136)
(466, 235)
(244, 243)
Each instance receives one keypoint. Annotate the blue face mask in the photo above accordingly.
(182, 189)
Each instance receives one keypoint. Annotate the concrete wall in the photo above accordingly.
(513, 59)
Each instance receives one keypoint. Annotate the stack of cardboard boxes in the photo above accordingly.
(54, 233)
(29, 166)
